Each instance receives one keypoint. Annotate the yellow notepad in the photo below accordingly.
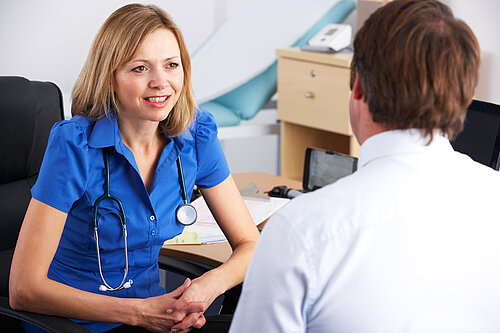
(187, 237)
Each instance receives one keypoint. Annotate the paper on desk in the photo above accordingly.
(207, 228)
(187, 237)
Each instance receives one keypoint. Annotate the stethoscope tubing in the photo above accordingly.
(107, 195)
(181, 177)
(120, 287)
(123, 222)
(187, 208)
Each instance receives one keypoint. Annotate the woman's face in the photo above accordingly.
(149, 85)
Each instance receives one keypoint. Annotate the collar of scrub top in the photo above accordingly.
(107, 134)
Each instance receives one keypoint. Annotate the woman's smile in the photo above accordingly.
(157, 101)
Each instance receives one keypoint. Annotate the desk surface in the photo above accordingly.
(216, 254)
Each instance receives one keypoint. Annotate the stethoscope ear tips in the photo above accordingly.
(126, 285)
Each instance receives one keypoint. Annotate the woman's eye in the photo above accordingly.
(173, 65)
(139, 69)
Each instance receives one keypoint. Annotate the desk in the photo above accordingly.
(313, 106)
(216, 254)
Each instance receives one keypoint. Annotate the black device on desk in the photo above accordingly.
(321, 167)
(480, 138)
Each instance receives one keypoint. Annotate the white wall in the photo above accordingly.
(483, 18)
(49, 40)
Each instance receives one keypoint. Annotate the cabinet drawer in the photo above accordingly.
(314, 95)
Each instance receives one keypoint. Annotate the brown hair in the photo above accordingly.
(115, 44)
(418, 66)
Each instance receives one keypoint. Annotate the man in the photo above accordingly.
(411, 241)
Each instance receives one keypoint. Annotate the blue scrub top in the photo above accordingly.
(72, 178)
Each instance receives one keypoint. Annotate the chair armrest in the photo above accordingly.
(179, 266)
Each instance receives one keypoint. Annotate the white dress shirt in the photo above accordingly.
(408, 243)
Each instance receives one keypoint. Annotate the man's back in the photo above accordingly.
(407, 243)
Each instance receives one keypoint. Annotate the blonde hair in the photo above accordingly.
(115, 44)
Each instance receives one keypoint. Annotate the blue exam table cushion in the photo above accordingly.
(223, 115)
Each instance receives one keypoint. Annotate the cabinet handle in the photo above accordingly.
(309, 94)
(313, 73)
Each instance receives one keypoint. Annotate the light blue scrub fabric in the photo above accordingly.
(72, 178)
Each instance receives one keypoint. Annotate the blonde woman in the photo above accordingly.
(136, 135)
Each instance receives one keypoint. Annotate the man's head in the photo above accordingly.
(417, 66)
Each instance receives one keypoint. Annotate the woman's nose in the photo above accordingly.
(159, 80)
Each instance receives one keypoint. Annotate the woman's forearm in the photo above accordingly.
(233, 217)
(29, 287)
(232, 272)
(151, 313)
(53, 298)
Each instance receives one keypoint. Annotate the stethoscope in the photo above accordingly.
(185, 214)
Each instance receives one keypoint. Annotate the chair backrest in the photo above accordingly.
(28, 110)
(480, 138)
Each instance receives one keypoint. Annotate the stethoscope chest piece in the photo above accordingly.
(186, 214)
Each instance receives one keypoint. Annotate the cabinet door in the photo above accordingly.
(314, 95)
(296, 138)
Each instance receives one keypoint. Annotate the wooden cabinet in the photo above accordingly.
(313, 106)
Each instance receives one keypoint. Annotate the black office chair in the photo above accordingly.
(28, 109)
(480, 138)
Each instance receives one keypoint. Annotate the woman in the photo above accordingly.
(134, 110)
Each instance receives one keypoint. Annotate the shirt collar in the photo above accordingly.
(107, 134)
(400, 142)
(181, 138)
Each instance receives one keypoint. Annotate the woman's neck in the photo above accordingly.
(146, 141)
(141, 137)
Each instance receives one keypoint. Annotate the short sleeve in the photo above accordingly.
(63, 174)
(212, 164)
